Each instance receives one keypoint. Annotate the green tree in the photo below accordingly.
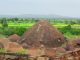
(4, 22)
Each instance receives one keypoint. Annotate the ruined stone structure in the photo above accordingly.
(42, 33)
(14, 38)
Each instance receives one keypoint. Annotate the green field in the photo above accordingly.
(59, 25)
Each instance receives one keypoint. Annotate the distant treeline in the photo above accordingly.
(33, 20)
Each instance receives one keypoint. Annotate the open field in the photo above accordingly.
(63, 25)
(60, 25)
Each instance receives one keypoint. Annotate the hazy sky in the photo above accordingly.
(59, 7)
